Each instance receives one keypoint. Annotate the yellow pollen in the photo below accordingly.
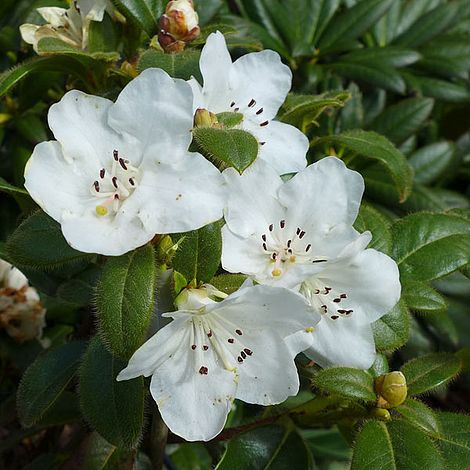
(101, 210)
(310, 329)
(276, 272)
(292, 259)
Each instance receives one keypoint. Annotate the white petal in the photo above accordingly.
(343, 342)
(252, 199)
(54, 16)
(79, 123)
(260, 76)
(156, 110)
(28, 33)
(325, 193)
(55, 183)
(215, 64)
(285, 147)
(92, 9)
(187, 194)
(371, 282)
(198, 97)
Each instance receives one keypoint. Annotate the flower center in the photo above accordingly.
(330, 302)
(114, 185)
(286, 247)
(252, 110)
(210, 335)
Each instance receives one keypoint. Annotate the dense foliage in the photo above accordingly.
(382, 84)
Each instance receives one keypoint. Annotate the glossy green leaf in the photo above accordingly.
(454, 439)
(376, 147)
(182, 65)
(401, 120)
(431, 161)
(419, 414)
(394, 446)
(227, 147)
(351, 23)
(38, 243)
(351, 383)
(198, 254)
(103, 35)
(428, 246)
(385, 56)
(45, 380)
(268, 448)
(124, 300)
(6, 187)
(371, 219)
(428, 372)
(393, 329)
(303, 110)
(228, 283)
(421, 297)
(447, 55)
(144, 13)
(114, 409)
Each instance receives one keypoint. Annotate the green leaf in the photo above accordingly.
(114, 409)
(351, 23)
(303, 110)
(448, 56)
(371, 219)
(378, 75)
(228, 283)
(144, 13)
(400, 121)
(376, 147)
(94, 453)
(395, 446)
(428, 372)
(124, 300)
(227, 147)
(421, 297)
(464, 356)
(388, 56)
(103, 36)
(428, 26)
(38, 243)
(428, 246)
(269, 447)
(6, 187)
(351, 383)
(393, 329)
(182, 65)
(454, 439)
(198, 254)
(45, 380)
(431, 161)
(418, 414)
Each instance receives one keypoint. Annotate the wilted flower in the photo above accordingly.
(254, 87)
(21, 314)
(213, 352)
(69, 25)
(299, 235)
(179, 25)
(119, 173)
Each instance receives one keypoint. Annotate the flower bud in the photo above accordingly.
(204, 118)
(392, 389)
(178, 26)
(380, 414)
(198, 299)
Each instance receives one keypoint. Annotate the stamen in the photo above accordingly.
(276, 272)
(122, 163)
(193, 347)
(248, 351)
(131, 181)
(301, 234)
(205, 347)
(271, 227)
(101, 210)
(239, 359)
(114, 180)
(232, 104)
(263, 237)
(239, 332)
(236, 109)
(231, 340)
(260, 110)
(265, 123)
(116, 155)
(265, 247)
(251, 103)
(289, 243)
(209, 334)
(243, 354)
(337, 300)
(274, 256)
(343, 296)
(203, 370)
(308, 247)
(334, 317)
(262, 143)
(102, 173)
(97, 186)
(282, 223)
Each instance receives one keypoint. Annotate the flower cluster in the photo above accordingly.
(121, 172)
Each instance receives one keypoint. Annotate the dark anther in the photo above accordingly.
(317, 291)
(102, 173)
(193, 347)
(122, 163)
(232, 104)
(274, 256)
(265, 123)
(205, 347)
(239, 359)
(243, 354)
(131, 181)
(263, 237)
(262, 143)
(231, 340)
(320, 261)
(260, 110)
(337, 300)
(343, 296)
(248, 351)
(114, 180)
(236, 109)
(334, 317)
(282, 223)
(308, 247)
(265, 247)
(116, 196)
(238, 332)
(97, 186)
(116, 155)
(289, 243)
(301, 234)
(251, 103)
(203, 370)
(271, 227)
(209, 334)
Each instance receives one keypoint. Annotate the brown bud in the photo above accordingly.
(392, 389)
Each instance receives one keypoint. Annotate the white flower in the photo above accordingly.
(299, 235)
(69, 25)
(255, 85)
(120, 172)
(213, 352)
(21, 313)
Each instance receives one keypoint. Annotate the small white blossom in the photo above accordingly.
(213, 352)
(255, 85)
(21, 314)
(119, 173)
(299, 235)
